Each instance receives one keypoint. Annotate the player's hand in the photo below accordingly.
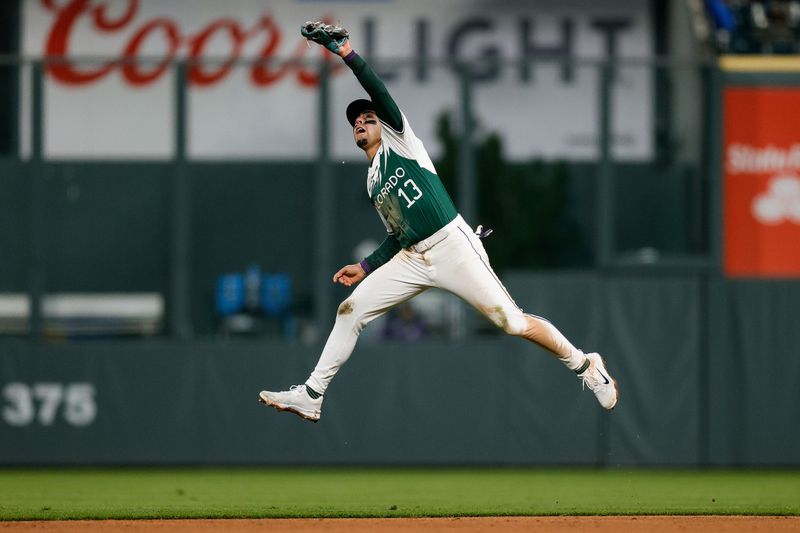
(331, 36)
(345, 49)
(349, 275)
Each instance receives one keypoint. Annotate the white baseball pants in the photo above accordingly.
(452, 259)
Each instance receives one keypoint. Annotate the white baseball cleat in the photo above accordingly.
(597, 378)
(295, 400)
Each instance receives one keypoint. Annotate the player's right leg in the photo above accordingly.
(403, 277)
(463, 268)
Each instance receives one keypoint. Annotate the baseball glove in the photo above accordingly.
(327, 35)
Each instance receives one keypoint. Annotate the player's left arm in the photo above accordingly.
(337, 40)
(385, 106)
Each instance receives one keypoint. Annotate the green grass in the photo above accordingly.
(336, 492)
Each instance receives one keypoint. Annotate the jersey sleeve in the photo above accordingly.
(385, 106)
(388, 248)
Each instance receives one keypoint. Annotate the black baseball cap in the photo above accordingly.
(357, 107)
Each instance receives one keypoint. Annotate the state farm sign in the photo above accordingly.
(253, 81)
(762, 182)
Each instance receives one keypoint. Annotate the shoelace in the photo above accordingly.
(297, 388)
(590, 379)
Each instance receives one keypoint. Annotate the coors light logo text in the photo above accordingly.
(67, 15)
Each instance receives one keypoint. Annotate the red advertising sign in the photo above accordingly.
(761, 204)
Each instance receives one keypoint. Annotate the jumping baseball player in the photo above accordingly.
(428, 245)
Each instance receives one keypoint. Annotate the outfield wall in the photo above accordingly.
(707, 371)
(248, 213)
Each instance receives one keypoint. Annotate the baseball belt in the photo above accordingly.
(426, 244)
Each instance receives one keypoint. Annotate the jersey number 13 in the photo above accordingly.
(416, 193)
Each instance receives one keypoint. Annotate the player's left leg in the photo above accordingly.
(463, 268)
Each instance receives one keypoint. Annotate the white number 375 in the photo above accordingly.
(42, 402)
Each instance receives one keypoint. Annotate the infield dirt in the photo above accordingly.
(558, 524)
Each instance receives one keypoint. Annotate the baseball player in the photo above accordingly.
(428, 244)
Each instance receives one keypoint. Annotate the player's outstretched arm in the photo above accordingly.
(345, 50)
(336, 39)
(385, 106)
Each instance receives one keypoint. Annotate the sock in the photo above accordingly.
(546, 335)
(583, 367)
(311, 392)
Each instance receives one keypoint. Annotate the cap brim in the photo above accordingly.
(357, 107)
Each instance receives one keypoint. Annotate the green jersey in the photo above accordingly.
(401, 181)
(403, 186)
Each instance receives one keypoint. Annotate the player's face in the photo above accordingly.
(366, 130)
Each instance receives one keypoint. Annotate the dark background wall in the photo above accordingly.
(9, 46)
(697, 386)
(262, 213)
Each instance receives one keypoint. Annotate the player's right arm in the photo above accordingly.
(385, 106)
(352, 274)
(349, 275)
